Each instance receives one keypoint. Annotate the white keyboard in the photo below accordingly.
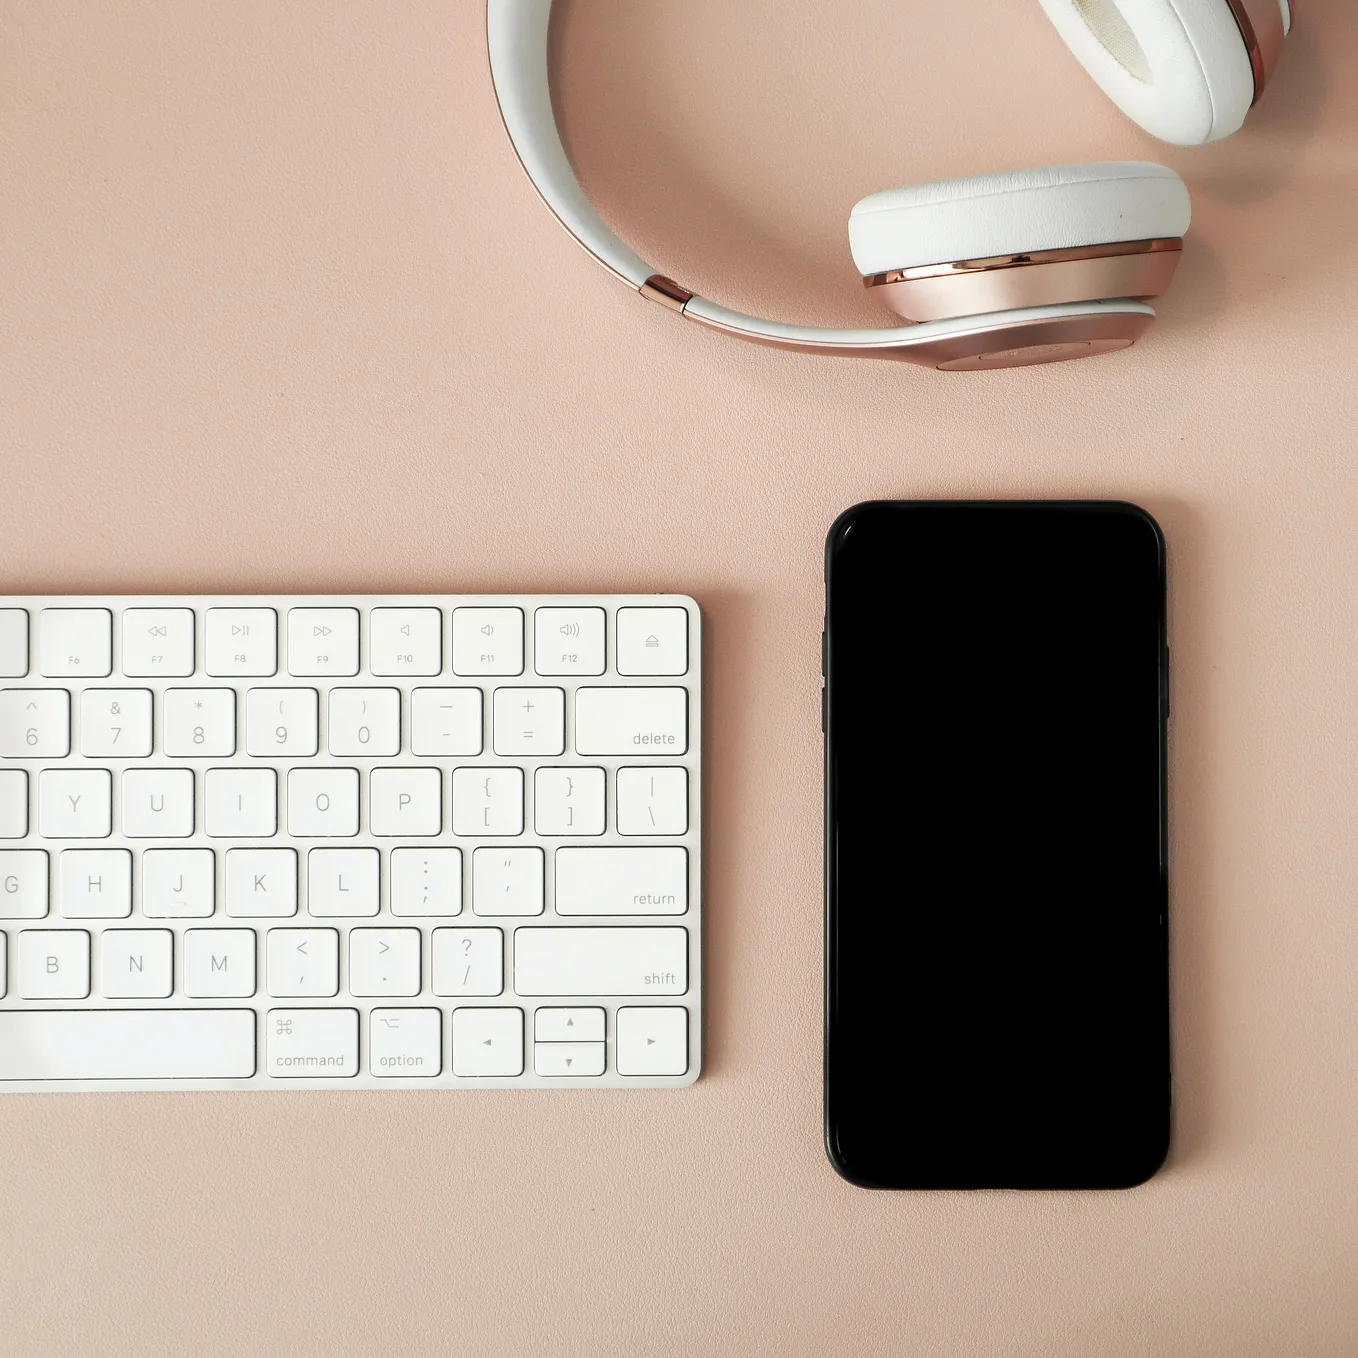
(350, 842)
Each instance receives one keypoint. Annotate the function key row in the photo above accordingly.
(245, 642)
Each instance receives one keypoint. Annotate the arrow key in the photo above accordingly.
(568, 1025)
(652, 1040)
(487, 1042)
(565, 1059)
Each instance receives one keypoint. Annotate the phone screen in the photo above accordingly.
(996, 698)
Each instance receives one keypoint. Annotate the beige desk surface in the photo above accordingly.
(279, 311)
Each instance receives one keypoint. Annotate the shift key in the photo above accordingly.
(604, 961)
(636, 721)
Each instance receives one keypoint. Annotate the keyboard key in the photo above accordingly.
(405, 801)
(303, 963)
(96, 883)
(635, 721)
(311, 1043)
(35, 723)
(342, 882)
(13, 643)
(530, 721)
(178, 883)
(157, 803)
(115, 723)
(568, 1025)
(280, 723)
(507, 881)
(652, 801)
(568, 1058)
(219, 964)
(468, 962)
(605, 961)
(365, 721)
(158, 642)
(624, 881)
(568, 801)
(240, 803)
(13, 803)
(242, 641)
(405, 1043)
(487, 1042)
(487, 641)
(568, 641)
(138, 964)
(52, 964)
(384, 962)
(75, 643)
(75, 803)
(323, 641)
(261, 883)
(405, 641)
(128, 1044)
(331, 727)
(426, 882)
(445, 721)
(488, 801)
(23, 883)
(652, 1041)
(200, 722)
(652, 641)
(323, 802)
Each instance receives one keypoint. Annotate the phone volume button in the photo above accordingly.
(822, 711)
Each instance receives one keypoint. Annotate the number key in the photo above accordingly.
(200, 722)
(35, 723)
(115, 722)
(280, 721)
(365, 721)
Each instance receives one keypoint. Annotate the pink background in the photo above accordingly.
(279, 311)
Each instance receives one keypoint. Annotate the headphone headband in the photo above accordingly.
(516, 32)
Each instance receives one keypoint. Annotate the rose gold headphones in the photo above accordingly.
(996, 271)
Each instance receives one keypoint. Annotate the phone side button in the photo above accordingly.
(822, 711)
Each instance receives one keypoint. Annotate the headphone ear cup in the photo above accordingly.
(1179, 68)
(998, 242)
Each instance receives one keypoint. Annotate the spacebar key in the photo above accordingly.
(127, 1044)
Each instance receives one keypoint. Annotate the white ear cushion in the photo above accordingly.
(1062, 207)
(1180, 68)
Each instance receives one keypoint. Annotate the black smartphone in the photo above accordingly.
(996, 703)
